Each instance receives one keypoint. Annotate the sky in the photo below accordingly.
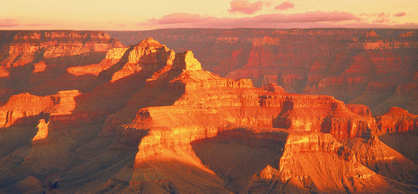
(155, 14)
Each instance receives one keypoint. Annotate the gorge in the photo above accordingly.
(82, 113)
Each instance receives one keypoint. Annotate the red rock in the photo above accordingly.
(308, 61)
(274, 88)
(359, 109)
(42, 130)
(39, 67)
(154, 121)
(371, 34)
(397, 120)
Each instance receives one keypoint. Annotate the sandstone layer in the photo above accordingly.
(150, 120)
(357, 66)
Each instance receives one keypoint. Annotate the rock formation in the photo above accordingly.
(150, 120)
(397, 120)
(357, 66)
(36, 61)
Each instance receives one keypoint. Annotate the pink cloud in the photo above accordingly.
(243, 6)
(276, 20)
(381, 20)
(317, 16)
(38, 24)
(8, 23)
(179, 17)
(285, 5)
(399, 14)
(121, 25)
(381, 14)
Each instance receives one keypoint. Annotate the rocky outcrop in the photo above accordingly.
(359, 109)
(25, 47)
(357, 66)
(42, 130)
(37, 61)
(25, 109)
(186, 61)
(397, 120)
(153, 121)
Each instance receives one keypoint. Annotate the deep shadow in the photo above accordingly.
(22, 79)
(282, 121)
(235, 155)
(106, 75)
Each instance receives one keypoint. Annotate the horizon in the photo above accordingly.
(98, 15)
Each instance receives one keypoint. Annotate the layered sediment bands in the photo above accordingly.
(397, 120)
(24, 47)
(56, 111)
(152, 121)
(357, 66)
(45, 62)
(383, 160)
(359, 109)
(25, 109)
(42, 130)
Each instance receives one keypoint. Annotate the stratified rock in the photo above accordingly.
(357, 66)
(42, 130)
(397, 120)
(30, 45)
(186, 61)
(25, 109)
(153, 121)
(359, 109)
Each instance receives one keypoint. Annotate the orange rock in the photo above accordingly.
(42, 130)
(397, 120)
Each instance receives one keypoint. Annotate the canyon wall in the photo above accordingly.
(146, 119)
(37, 61)
(354, 65)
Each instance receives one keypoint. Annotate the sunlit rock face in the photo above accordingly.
(37, 61)
(21, 48)
(148, 120)
(397, 120)
(357, 66)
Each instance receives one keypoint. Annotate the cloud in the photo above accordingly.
(243, 6)
(317, 16)
(275, 20)
(285, 5)
(399, 14)
(382, 18)
(180, 17)
(381, 15)
(121, 25)
(38, 24)
(8, 23)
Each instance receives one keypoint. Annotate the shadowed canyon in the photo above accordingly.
(214, 111)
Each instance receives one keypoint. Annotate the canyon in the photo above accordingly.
(374, 67)
(82, 113)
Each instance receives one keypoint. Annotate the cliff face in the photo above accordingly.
(37, 61)
(21, 48)
(189, 113)
(355, 66)
(397, 120)
(151, 120)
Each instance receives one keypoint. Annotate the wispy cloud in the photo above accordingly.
(399, 14)
(8, 23)
(382, 18)
(284, 6)
(245, 7)
(177, 18)
(35, 25)
(317, 19)
(267, 20)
